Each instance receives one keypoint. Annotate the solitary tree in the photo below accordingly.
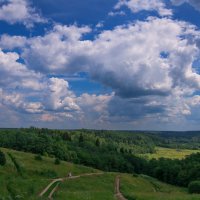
(194, 187)
(81, 139)
(97, 142)
(122, 150)
(57, 161)
(66, 136)
(2, 158)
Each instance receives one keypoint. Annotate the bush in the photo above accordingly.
(57, 161)
(45, 154)
(194, 187)
(48, 173)
(2, 158)
(38, 157)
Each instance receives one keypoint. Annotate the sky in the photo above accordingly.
(100, 64)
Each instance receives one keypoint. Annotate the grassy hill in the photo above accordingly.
(147, 188)
(35, 175)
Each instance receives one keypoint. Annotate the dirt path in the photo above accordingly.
(50, 184)
(53, 191)
(118, 194)
(58, 180)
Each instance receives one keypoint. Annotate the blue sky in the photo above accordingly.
(117, 64)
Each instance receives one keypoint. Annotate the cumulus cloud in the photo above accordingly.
(122, 61)
(14, 74)
(58, 50)
(18, 102)
(11, 42)
(19, 11)
(26, 91)
(15, 80)
(94, 107)
(59, 97)
(147, 5)
(133, 60)
(147, 64)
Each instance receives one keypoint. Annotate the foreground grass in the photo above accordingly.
(88, 188)
(147, 188)
(169, 153)
(36, 174)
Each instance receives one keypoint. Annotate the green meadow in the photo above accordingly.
(147, 188)
(171, 153)
(133, 188)
(36, 175)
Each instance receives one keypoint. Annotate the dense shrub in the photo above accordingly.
(2, 158)
(38, 157)
(57, 161)
(194, 187)
(48, 173)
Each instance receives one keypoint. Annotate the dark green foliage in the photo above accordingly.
(130, 198)
(194, 187)
(38, 157)
(66, 136)
(81, 139)
(12, 192)
(122, 150)
(2, 158)
(57, 161)
(48, 173)
(97, 143)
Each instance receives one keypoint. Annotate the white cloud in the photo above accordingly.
(129, 59)
(19, 11)
(100, 25)
(58, 50)
(59, 97)
(115, 13)
(18, 102)
(14, 74)
(12, 42)
(147, 64)
(133, 60)
(148, 5)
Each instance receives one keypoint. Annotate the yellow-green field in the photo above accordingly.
(169, 153)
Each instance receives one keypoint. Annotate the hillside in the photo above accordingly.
(93, 184)
(36, 174)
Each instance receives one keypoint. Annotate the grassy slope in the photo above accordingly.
(33, 181)
(88, 188)
(85, 188)
(169, 153)
(133, 188)
(147, 188)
